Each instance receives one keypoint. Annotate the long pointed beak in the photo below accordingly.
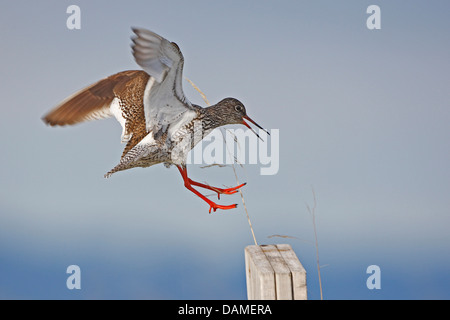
(248, 126)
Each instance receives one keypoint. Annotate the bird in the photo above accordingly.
(159, 124)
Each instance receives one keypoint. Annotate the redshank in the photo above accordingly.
(159, 124)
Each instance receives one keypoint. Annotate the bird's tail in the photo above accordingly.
(132, 159)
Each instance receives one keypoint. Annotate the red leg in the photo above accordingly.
(188, 184)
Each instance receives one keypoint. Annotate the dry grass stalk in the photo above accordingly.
(199, 91)
(281, 236)
(312, 212)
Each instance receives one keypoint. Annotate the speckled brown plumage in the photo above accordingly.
(131, 95)
(94, 102)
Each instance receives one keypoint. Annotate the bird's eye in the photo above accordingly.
(238, 108)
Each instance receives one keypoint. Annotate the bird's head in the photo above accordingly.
(233, 112)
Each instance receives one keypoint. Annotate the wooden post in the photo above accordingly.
(274, 272)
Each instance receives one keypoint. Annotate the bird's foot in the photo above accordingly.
(188, 183)
(219, 191)
(228, 190)
(215, 206)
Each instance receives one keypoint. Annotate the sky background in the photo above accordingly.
(363, 117)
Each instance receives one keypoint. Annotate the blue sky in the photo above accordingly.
(363, 117)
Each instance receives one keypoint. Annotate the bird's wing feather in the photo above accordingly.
(92, 102)
(164, 102)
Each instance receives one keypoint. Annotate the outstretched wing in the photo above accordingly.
(165, 105)
(94, 101)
